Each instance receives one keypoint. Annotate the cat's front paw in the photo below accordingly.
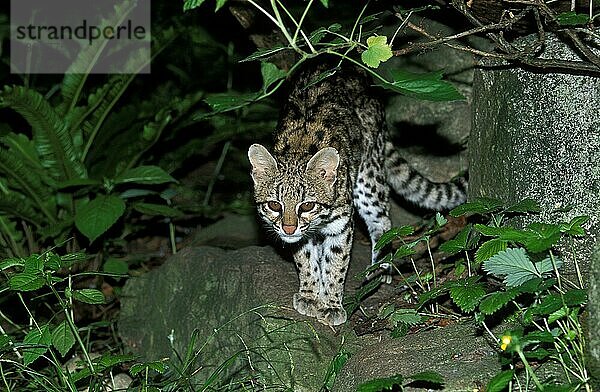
(305, 306)
(332, 316)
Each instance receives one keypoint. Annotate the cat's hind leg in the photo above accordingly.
(371, 199)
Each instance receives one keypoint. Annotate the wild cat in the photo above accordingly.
(331, 158)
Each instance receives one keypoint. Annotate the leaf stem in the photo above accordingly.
(299, 25)
(357, 21)
(216, 172)
(372, 73)
(528, 368)
(68, 317)
(281, 25)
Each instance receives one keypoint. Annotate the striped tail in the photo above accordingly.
(417, 189)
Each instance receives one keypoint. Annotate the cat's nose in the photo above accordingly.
(289, 229)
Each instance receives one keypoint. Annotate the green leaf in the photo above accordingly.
(467, 293)
(51, 261)
(543, 237)
(425, 86)
(63, 338)
(500, 381)
(575, 297)
(4, 341)
(51, 135)
(550, 304)
(24, 148)
(557, 315)
(537, 354)
(482, 205)
(158, 366)
(574, 226)
(12, 262)
(504, 233)
(72, 258)
(219, 5)
(377, 51)
(514, 265)
(524, 206)
(78, 182)
(489, 249)
(433, 294)
(224, 102)
(440, 220)
(26, 281)
(89, 296)
(40, 339)
(102, 363)
(352, 302)
(325, 3)
(546, 266)
(405, 251)
(392, 234)
(404, 316)
(34, 264)
(115, 266)
(380, 384)
(458, 243)
(270, 74)
(191, 4)
(572, 18)
(334, 368)
(536, 285)
(496, 301)
(132, 193)
(263, 53)
(316, 36)
(537, 337)
(157, 210)
(95, 217)
(148, 175)
(32, 187)
(429, 377)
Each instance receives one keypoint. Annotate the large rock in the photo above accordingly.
(238, 302)
(462, 356)
(537, 135)
(233, 231)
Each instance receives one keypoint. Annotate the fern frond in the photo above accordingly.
(105, 97)
(29, 183)
(79, 70)
(16, 205)
(50, 134)
(22, 149)
(11, 239)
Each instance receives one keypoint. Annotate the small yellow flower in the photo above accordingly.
(506, 339)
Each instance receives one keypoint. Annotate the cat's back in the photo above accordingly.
(328, 106)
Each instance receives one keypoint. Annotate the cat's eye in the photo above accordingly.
(308, 206)
(274, 206)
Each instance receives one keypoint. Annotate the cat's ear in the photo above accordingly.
(263, 163)
(325, 163)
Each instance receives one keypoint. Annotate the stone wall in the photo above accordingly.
(537, 135)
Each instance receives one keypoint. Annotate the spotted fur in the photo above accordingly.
(331, 158)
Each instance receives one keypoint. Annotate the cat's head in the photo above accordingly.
(294, 196)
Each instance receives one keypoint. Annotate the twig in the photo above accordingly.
(216, 173)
